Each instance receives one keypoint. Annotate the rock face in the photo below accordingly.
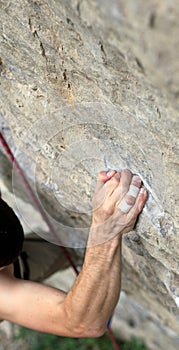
(91, 85)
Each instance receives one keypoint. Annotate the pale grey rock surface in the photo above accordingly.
(87, 85)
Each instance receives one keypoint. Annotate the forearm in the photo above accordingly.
(95, 293)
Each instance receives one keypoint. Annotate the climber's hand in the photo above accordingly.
(118, 199)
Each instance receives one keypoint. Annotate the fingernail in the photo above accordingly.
(142, 190)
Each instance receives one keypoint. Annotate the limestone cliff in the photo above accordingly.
(90, 85)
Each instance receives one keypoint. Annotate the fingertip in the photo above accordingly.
(110, 173)
(102, 176)
(140, 201)
(143, 195)
(143, 191)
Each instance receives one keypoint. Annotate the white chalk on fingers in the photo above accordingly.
(124, 207)
(133, 191)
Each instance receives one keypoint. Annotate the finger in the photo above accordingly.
(123, 187)
(112, 183)
(126, 177)
(129, 199)
(100, 191)
(104, 176)
(140, 202)
(131, 194)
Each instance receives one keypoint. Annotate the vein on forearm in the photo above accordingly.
(96, 290)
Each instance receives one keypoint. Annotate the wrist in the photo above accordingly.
(103, 238)
(103, 255)
(108, 231)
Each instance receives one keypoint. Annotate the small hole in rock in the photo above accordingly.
(131, 323)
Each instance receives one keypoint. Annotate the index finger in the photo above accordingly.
(103, 177)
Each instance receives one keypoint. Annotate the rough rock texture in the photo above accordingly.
(87, 85)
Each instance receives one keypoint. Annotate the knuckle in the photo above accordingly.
(126, 172)
(108, 209)
(136, 181)
(115, 179)
(123, 189)
(130, 200)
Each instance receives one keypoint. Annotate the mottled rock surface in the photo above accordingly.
(90, 85)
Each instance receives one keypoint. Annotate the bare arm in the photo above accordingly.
(85, 310)
(95, 293)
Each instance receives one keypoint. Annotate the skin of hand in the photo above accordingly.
(86, 308)
(99, 282)
(107, 218)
